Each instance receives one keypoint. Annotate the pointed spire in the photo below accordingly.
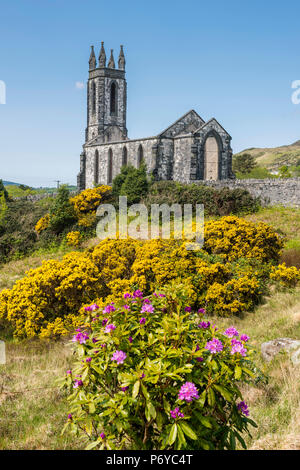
(92, 60)
(121, 62)
(111, 63)
(102, 56)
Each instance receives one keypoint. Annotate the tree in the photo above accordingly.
(3, 191)
(135, 185)
(61, 213)
(284, 172)
(244, 163)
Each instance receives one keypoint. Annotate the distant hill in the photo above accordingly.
(8, 183)
(274, 158)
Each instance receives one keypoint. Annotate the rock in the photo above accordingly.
(2, 353)
(271, 348)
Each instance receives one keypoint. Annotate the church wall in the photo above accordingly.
(132, 147)
(182, 159)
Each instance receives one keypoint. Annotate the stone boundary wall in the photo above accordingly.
(273, 191)
(38, 197)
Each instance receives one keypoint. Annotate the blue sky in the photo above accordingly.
(231, 60)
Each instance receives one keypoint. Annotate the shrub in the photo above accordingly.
(216, 202)
(135, 185)
(61, 213)
(17, 230)
(73, 238)
(152, 374)
(235, 238)
(86, 203)
(287, 277)
(42, 223)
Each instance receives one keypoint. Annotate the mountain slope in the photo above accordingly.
(274, 158)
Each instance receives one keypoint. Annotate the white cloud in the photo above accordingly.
(79, 85)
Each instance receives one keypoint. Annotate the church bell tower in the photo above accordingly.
(106, 98)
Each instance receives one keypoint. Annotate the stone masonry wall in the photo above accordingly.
(272, 192)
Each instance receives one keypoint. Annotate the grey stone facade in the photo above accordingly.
(188, 150)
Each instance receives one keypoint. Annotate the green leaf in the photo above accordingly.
(224, 392)
(211, 398)
(249, 372)
(204, 421)
(159, 420)
(145, 391)
(92, 445)
(188, 431)
(202, 398)
(232, 441)
(152, 410)
(92, 408)
(181, 438)
(136, 389)
(237, 372)
(241, 440)
(173, 434)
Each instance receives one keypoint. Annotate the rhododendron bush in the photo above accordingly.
(152, 373)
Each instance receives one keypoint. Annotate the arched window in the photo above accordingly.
(124, 156)
(96, 168)
(113, 98)
(93, 97)
(140, 155)
(110, 166)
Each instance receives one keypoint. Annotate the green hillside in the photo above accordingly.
(274, 158)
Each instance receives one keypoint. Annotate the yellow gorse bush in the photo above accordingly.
(85, 204)
(47, 300)
(73, 238)
(42, 223)
(287, 277)
(236, 237)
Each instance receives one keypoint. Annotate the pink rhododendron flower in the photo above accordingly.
(80, 338)
(137, 294)
(214, 346)
(147, 308)
(237, 347)
(245, 338)
(142, 321)
(204, 324)
(119, 356)
(176, 413)
(243, 408)
(188, 392)
(109, 308)
(77, 383)
(231, 332)
(109, 328)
